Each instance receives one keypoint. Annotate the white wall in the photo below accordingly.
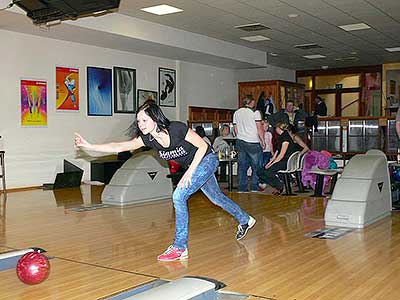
(206, 86)
(267, 73)
(34, 155)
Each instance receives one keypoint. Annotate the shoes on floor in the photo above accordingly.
(172, 253)
(277, 192)
(262, 186)
(242, 229)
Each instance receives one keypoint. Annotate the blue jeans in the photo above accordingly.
(266, 157)
(249, 155)
(203, 178)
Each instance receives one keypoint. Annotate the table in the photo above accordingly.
(320, 180)
(230, 162)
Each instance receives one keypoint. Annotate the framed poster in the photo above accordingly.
(124, 90)
(145, 95)
(67, 88)
(33, 102)
(99, 95)
(167, 87)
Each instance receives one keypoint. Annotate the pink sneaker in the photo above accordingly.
(173, 253)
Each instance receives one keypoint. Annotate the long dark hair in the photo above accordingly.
(200, 131)
(155, 113)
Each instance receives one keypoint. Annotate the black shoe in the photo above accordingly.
(242, 229)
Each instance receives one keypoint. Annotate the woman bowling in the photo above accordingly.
(175, 141)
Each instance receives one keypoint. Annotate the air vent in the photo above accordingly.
(307, 46)
(252, 27)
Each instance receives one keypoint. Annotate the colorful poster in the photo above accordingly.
(67, 88)
(33, 103)
(99, 93)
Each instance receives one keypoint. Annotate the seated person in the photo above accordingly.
(220, 145)
(284, 148)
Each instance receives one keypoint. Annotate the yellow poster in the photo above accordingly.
(33, 103)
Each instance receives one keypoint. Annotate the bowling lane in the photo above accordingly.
(4, 249)
(69, 280)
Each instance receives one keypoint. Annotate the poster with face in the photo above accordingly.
(167, 87)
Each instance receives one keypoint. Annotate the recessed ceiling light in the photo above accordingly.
(324, 67)
(353, 52)
(314, 56)
(394, 49)
(293, 15)
(255, 38)
(162, 9)
(352, 27)
(273, 54)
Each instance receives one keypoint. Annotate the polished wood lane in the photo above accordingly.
(69, 280)
(274, 260)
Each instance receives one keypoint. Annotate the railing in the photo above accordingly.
(349, 136)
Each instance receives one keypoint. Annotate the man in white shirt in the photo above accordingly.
(250, 133)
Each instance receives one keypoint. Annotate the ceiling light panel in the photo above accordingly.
(255, 38)
(314, 56)
(162, 9)
(394, 49)
(353, 27)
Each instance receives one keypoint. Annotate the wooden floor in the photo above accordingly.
(100, 252)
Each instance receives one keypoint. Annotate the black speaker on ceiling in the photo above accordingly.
(44, 11)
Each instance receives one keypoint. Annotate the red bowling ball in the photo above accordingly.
(33, 268)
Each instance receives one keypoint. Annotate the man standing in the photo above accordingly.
(249, 132)
(320, 109)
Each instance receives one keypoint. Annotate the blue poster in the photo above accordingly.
(99, 95)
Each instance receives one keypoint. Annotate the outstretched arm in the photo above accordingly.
(109, 147)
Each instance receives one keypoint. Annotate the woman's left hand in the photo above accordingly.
(186, 180)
